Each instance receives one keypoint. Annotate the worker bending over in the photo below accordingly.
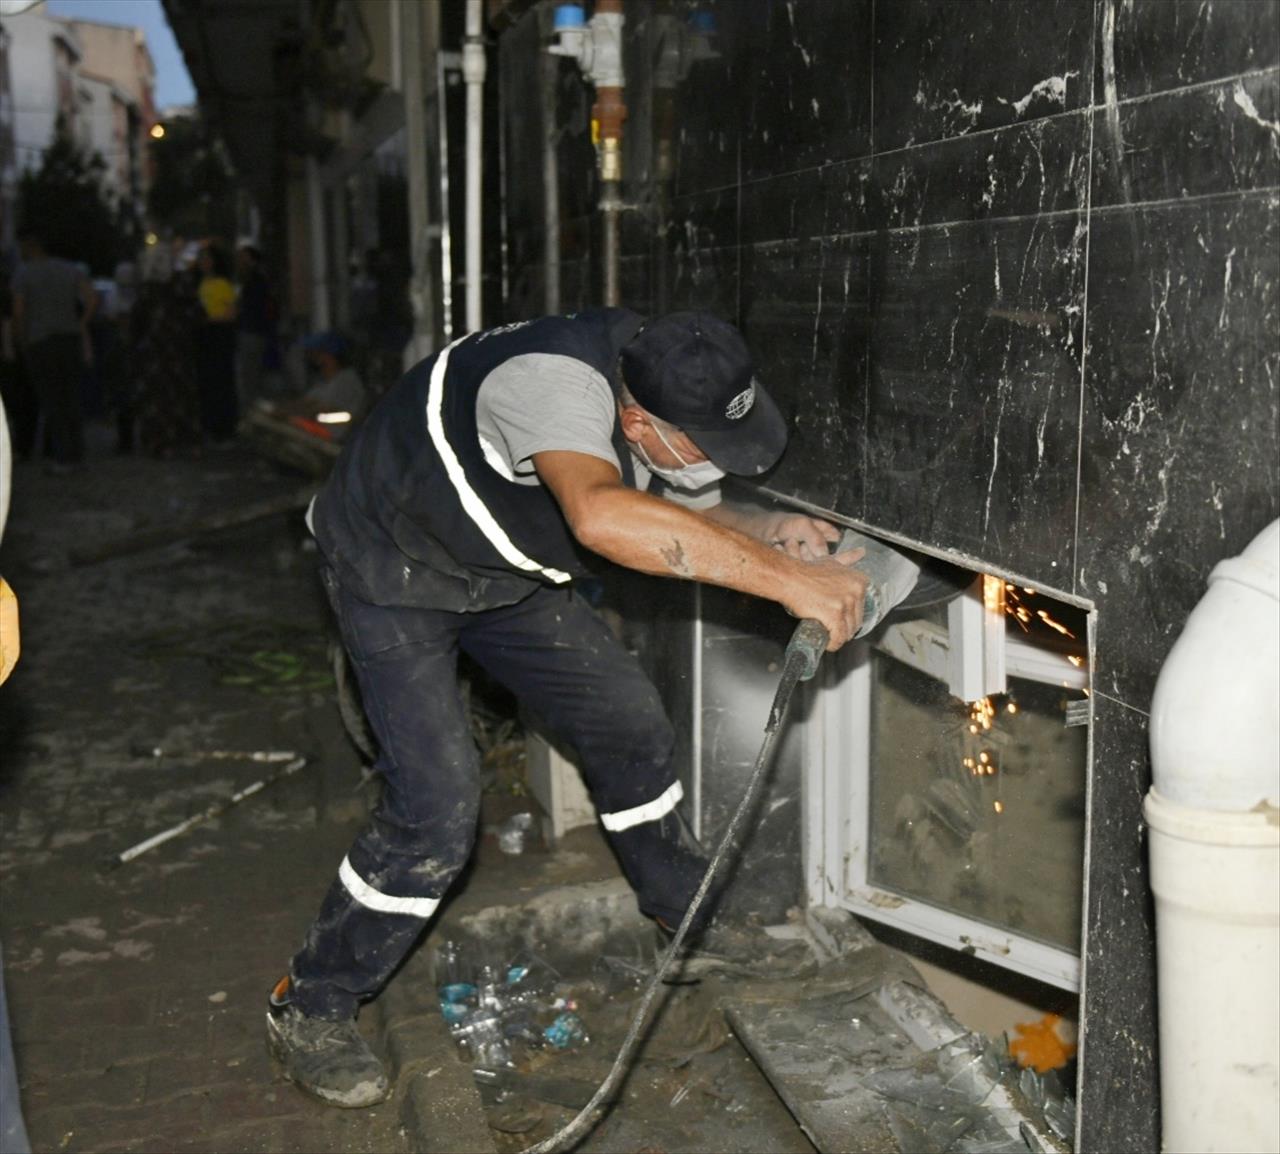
(456, 519)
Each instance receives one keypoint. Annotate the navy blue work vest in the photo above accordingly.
(414, 515)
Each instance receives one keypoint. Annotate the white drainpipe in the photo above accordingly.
(473, 70)
(1214, 818)
(318, 245)
(413, 65)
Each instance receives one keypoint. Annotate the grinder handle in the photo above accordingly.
(807, 645)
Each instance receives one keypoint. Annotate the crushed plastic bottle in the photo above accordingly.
(492, 1007)
(449, 964)
(566, 1031)
(513, 833)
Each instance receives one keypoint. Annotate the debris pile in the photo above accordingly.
(498, 1013)
(969, 1097)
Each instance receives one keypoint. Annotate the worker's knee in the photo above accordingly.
(646, 739)
(418, 858)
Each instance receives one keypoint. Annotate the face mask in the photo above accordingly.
(688, 476)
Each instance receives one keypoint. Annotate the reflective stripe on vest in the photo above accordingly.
(474, 507)
(650, 811)
(373, 899)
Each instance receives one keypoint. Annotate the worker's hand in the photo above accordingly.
(802, 537)
(832, 592)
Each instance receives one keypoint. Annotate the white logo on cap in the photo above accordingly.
(740, 406)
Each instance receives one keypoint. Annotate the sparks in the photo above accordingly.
(1049, 621)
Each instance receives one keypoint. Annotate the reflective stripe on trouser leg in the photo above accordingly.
(564, 663)
(659, 807)
(372, 899)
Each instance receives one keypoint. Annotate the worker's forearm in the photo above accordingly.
(753, 522)
(643, 532)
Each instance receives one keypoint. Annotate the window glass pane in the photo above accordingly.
(979, 809)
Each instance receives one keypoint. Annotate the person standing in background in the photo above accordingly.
(112, 342)
(53, 305)
(162, 331)
(216, 345)
(254, 322)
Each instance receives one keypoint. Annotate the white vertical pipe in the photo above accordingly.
(341, 263)
(1213, 817)
(317, 240)
(319, 249)
(550, 185)
(473, 71)
(610, 208)
(446, 228)
(411, 52)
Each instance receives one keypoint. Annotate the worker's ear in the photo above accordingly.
(634, 422)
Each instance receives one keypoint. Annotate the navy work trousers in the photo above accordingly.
(560, 659)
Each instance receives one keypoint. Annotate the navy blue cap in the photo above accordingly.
(694, 370)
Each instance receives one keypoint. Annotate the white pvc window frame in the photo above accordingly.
(838, 773)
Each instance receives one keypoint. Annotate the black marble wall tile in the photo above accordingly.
(806, 95)
(701, 254)
(1034, 169)
(944, 70)
(1211, 139)
(805, 315)
(785, 208)
(1120, 1076)
(1025, 170)
(1181, 410)
(1163, 44)
(706, 117)
(973, 403)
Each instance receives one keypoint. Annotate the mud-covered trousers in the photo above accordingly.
(562, 662)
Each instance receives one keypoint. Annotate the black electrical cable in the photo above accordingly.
(801, 662)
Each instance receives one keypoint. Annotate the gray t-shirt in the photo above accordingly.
(543, 402)
(50, 290)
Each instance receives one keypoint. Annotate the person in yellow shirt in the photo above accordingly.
(216, 345)
(217, 297)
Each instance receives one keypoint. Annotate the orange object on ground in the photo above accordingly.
(315, 428)
(1041, 1045)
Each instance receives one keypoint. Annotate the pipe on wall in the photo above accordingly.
(318, 248)
(473, 73)
(1213, 814)
(415, 36)
(550, 185)
(607, 117)
(597, 48)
